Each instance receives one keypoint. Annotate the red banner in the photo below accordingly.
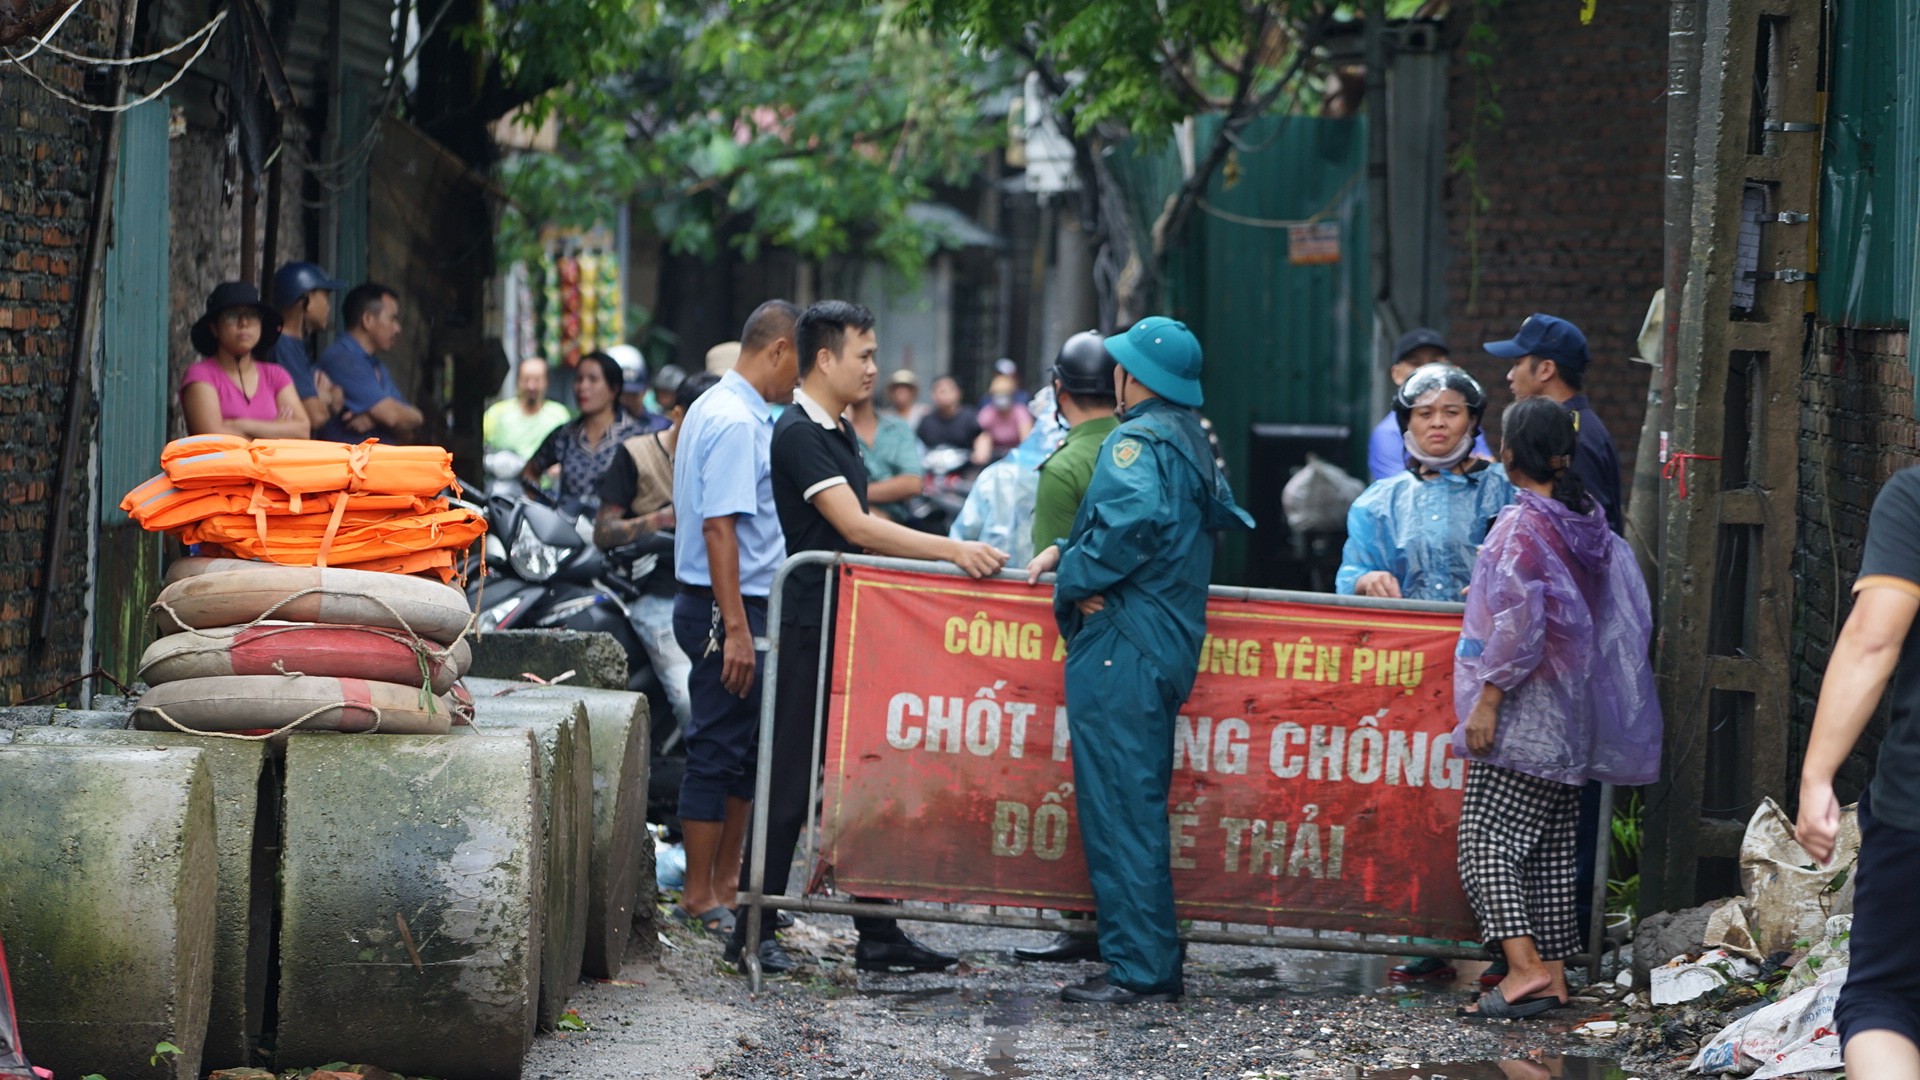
(1314, 784)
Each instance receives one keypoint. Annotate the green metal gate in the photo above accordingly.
(135, 386)
(1288, 340)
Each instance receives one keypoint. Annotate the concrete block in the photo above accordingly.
(620, 886)
(246, 830)
(409, 894)
(98, 720)
(597, 660)
(563, 740)
(107, 905)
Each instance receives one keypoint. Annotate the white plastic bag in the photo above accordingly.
(1316, 498)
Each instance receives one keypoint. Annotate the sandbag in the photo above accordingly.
(307, 465)
(1789, 898)
(359, 652)
(259, 703)
(203, 597)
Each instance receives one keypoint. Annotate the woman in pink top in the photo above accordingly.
(231, 392)
(1004, 422)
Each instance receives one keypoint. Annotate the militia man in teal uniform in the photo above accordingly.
(1083, 388)
(1130, 595)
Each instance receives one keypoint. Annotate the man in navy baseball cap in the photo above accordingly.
(1550, 359)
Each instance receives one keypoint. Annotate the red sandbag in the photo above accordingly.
(362, 652)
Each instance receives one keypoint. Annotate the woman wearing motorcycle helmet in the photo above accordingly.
(1415, 534)
(585, 446)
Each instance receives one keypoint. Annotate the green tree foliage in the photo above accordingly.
(812, 127)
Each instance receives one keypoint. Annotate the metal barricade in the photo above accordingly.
(754, 901)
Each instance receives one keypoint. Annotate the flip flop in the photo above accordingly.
(1495, 1006)
(714, 920)
(1495, 974)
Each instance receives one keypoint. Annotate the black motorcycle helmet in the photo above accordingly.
(1084, 367)
(1436, 377)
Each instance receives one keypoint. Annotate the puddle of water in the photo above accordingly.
(1528, 1068)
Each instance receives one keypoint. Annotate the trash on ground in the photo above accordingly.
(1791, 1037)
(1727, 928)
(669, 866)
(1831, 952)
(1684, 979)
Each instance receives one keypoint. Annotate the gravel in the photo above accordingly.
(1249, 1014)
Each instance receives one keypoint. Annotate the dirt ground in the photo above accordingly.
(1250, 1014)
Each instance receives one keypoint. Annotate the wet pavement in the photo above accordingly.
(1249, 1014)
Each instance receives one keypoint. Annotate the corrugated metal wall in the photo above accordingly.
(1285, 343)
(1870, 168)
(135, 384)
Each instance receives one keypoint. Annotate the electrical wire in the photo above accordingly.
(41, 42)
(1272, 223)
(108, 61)
(81, 103)
(336, 176)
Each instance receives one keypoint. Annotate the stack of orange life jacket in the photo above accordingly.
(304, 502)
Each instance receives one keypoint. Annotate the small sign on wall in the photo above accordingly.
(1314, 244)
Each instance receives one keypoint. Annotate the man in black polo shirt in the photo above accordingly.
(820, 490)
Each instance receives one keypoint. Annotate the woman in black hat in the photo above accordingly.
(232, 391)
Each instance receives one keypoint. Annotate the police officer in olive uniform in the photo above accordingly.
(1130, 595)
(1083, 387)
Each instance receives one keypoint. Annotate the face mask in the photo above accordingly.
(1003, 401)
(1445, 461)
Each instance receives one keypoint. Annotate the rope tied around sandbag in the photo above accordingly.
(322, 710)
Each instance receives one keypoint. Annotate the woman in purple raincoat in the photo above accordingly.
(1553, 689)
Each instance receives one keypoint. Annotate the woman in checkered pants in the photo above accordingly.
(1553, 689)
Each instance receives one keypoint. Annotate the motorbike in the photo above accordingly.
(541, 571)
(503, 472)
(949, 477)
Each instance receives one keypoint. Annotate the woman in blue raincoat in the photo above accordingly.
(1553, 689)
(1415, 534)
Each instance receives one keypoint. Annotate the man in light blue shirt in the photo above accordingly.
(726, 548)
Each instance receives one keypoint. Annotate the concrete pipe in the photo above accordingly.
(409, 892)
(107, 905)
(246, 805)
(561, 731)
(621, 884)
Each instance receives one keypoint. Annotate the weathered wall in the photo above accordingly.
(48, 172)
(1857, 428)
(1572, 179)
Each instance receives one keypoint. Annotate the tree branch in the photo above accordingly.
(1244, 109)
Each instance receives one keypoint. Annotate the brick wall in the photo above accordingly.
(48, 171)
(1573, 175)
(1857, 428)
